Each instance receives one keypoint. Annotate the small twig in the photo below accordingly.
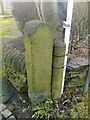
(66, 101)
(86, 37)
(73, 46)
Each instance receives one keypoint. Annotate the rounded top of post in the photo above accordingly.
(59, 43)
(32, 25)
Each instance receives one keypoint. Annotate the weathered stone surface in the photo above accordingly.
(11, 118)
(38, 38)
(6, 113)
(57, 82)
(58, 62)
(7, 90)
(77, 71)
(77, 77)
(77, 63)
(15, 68)
(87, 80)
(2, 107)
(58, 65)
(59, 46)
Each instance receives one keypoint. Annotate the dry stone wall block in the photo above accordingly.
(15, 68)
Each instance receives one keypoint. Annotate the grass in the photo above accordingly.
(8, 26)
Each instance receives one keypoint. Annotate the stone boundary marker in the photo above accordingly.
(38, 39)
(5, 113)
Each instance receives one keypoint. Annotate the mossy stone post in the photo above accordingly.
(38, 39)
(58, 65)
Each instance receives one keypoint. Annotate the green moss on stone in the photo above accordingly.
(15, 69)
(58, 65)
(38, 39)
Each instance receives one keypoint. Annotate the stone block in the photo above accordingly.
(2, 107)
(38, 39)
(15, 68)
(6, 113)
(11, 118)
(58, 65)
